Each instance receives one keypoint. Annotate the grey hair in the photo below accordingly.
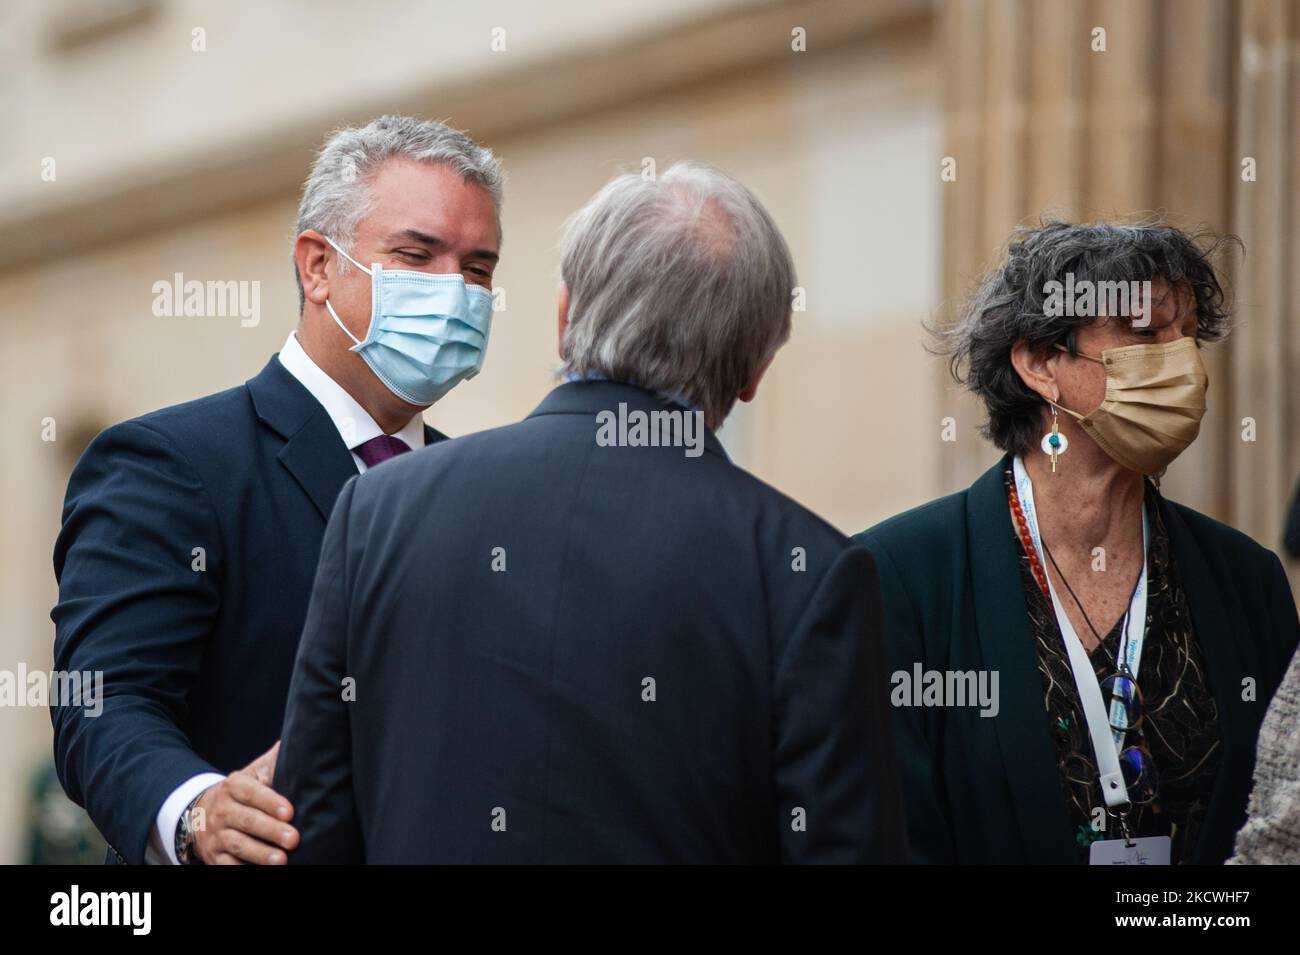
(680, 284)
(336, 196)
(1011, 306)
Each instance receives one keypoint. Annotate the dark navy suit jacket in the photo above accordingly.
(196, 662)
(526, 647)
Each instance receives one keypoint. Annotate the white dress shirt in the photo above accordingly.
(356, 427)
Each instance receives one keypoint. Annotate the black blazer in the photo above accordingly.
(986, 789)
(1291, 536)
(562, 652)
(196, 662)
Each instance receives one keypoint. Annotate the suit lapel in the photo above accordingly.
(1210, 619)
(313, 453)
(1007, 646)
(1211, 627)
(319, 461)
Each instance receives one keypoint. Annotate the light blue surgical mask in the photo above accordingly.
(428, 333)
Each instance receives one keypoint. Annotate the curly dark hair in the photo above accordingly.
(1011, 305)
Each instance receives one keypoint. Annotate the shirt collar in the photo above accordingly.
(354, 424)
(600, 376)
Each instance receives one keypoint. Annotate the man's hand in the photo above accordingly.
(244, 819)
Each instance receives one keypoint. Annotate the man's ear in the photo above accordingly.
(562, 318)
(1037, 369)
(750, 390)
(311, 253)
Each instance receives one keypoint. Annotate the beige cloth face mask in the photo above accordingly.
(1155, 397)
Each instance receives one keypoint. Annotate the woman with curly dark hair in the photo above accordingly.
(1133, 643)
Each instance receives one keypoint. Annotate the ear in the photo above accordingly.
(750, 390)
(311, 253)
(1036, 369)
(562, 318)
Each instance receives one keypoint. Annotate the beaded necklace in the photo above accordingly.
(1022, 530)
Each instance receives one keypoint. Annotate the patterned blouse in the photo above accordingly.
(1181, 729)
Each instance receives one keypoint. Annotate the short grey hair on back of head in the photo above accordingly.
(680, 284)
(336, 195)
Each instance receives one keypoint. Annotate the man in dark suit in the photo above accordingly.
(190, 535)
(589, 636)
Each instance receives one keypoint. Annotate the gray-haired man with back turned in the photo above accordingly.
(579, 639)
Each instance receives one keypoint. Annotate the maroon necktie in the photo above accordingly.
(380, 449)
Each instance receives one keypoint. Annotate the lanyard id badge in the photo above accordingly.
(1103, 726)
(1144, 850)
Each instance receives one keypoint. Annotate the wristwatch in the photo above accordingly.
(185, 853)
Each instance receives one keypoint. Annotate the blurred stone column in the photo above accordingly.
(1192, 185)
(1265, 348)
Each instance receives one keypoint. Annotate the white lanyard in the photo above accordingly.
(1107, 742)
